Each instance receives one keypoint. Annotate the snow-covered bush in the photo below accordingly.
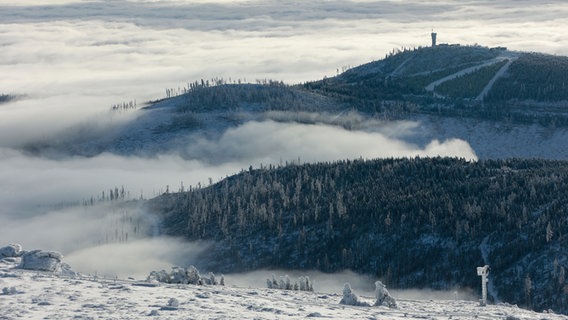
(193, 276)
(381, 293)
(284, 283)
(383, 296)
(9, 291)
(173, 302)
(185, 276)
(181, 275)
(177, 275)
(159, 276)
(211, 279)
(269, 284)
(305, 284)
(350, 298)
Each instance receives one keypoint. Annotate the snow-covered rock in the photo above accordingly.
(11, 251)
(46, 296)
(39, 260)
(9, 291)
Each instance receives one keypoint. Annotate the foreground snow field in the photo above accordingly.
(43, 295)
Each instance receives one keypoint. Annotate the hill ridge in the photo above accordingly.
(410, 222)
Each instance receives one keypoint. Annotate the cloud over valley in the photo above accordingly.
(70, 61)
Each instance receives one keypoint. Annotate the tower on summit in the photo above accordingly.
(433, 34)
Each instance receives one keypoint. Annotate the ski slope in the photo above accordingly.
(508, 56)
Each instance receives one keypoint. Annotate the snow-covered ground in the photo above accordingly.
(42, 295)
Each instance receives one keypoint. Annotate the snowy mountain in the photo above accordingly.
(503, 104)
(28, 294)
(469, 102)
(489, 80)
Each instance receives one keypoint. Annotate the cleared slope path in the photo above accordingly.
(498, 75)
(465, 71)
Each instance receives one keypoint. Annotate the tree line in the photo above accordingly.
(4, 98)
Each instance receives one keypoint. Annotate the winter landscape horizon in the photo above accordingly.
(86, 86)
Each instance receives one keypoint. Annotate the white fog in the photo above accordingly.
(70, 61)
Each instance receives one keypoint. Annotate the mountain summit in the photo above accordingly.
(492, 98)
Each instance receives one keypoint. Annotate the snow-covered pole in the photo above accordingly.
(483, 272)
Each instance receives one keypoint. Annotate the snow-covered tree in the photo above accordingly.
(179, 275)
(188, 275)
(528, 287)
(210, 279)
(284, 283)
(383, 296)
(304, 284)
(193, 276)
(159, 276)
(274, 283)
(350, 298)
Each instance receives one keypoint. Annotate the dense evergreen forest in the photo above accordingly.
(6, 98)
(263, 96)
(534, 76)
(423, 222)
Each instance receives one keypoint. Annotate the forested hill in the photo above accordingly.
(491, 98)
(475, 81)
(411, 222)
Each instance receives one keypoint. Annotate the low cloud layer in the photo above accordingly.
(333, 283)
(44, 181)
(72, 60)
(136, 258)
(272, 142)
(75, 58)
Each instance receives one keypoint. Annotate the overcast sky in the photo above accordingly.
(72, 60)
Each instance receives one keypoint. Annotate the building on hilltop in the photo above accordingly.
(433, 34)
